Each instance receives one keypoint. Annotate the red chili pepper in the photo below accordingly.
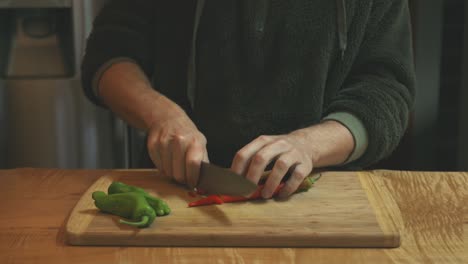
(212, 199)
(219, 199)
(233, 199)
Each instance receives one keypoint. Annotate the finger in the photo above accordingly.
(195, 154)
(297, 177)
(205, 156)
(242, 158)
(166, 156)
(154, 156)
(158, 163)
(179, 148)
(263, 157)
(281, 167)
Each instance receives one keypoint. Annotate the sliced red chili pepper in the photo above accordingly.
(212, 199)
(233, 199)
(205, 201)
(219, 199)
(216, 199)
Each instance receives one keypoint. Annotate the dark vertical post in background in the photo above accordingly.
(450, 86)
(463, 100)
(427, 25)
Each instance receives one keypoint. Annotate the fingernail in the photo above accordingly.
(265, 195)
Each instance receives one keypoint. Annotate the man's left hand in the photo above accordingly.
(289, 154)
(325, 144)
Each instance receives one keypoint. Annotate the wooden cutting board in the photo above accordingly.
(335, 212)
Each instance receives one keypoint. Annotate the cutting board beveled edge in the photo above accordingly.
(77, 232)
(78, 222)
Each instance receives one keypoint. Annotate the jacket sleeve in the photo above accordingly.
(380, 88)
(122, 30)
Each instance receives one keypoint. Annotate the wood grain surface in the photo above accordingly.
(431, 214)
(334, 213)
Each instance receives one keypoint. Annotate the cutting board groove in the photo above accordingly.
(336, 212)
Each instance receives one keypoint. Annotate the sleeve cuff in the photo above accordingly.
(97, 76)
(357, 129)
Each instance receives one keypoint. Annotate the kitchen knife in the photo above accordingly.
(216, 180)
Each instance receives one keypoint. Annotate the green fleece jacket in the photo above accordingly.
(268, 66)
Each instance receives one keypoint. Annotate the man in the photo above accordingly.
(299, 84)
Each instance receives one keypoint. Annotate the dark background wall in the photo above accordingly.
(451, 86)
(436, 138)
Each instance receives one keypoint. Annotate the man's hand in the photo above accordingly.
(177, 148)
(289, 153)
(174, 143)
(328, 143)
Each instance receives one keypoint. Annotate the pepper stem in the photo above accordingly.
(143, 222)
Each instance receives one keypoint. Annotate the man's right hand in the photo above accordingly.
(174, 144)
(177, 148)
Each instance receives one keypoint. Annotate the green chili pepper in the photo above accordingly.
(120, 187)
(160, 207)
(130, 205)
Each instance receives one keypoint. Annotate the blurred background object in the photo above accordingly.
(45, 119)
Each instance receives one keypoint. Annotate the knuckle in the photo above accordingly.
(258, 159)
(192, 161)
(163, 140)
(152, 141)
(264, 138)
(298, 176)
(251, 177)
(240, 156)
(282, 165)
(179, 139)
(282, 142)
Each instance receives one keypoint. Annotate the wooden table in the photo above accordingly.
(432, 216)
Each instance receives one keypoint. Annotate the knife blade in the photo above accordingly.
(217, 180)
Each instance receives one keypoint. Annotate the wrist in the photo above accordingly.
(327, 144)
(163, 110)
(305, 138)
(357, 130)
(126, 90)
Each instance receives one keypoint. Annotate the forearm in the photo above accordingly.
(328, 143)
(126, 90)
(123, 29)
(379, 91)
